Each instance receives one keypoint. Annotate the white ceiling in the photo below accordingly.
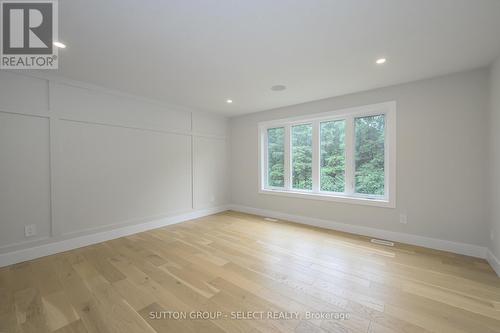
(198, 53)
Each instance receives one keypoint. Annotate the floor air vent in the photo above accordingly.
(381, 242)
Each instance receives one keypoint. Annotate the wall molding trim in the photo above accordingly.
(58, 79)
(433, 243)
(74, 120)
(493, 261)
(67, 244)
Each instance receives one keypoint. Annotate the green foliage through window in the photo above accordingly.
(351, 155)
(276, 157)
(332, 138)
(369, 154)
(302, 157)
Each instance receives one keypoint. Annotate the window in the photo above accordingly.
(346, 155)
(302, 157)
(332, 162)
(369, 154)
(276, 157)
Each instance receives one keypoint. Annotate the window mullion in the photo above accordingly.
(315, 157)
(349, 156)
(288, 158)
(265, 156)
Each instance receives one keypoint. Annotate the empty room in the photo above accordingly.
(298, 166)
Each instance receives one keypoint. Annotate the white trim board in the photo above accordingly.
(15, 257)
(493, 261)
(433, 243)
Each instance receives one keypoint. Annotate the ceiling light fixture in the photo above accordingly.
(229, 101)
(278, 87)
(381, 61)
(60, 45)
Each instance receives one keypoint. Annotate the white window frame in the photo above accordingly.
(388, 200)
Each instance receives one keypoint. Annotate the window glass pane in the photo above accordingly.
(369, 154)
(302, 157)
(332, 164)
(276, 157)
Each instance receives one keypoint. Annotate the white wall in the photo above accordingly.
(24, 176)
(441, 154)
(494, 144)
(76, 160)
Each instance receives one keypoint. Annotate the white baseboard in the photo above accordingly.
(14, 257)
(494, 262)
(18, 256)
(433, 243)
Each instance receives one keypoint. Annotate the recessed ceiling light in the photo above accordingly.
(381, 61)
(278, 87)
(60, 45)
(229, 101)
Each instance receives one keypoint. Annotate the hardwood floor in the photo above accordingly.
(234, 264)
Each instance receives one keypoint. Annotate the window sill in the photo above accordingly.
(331, 197)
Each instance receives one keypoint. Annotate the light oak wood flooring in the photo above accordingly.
(235, 264)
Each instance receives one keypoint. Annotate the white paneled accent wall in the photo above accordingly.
(77, 160)
(24, 176)
(210, 173)
(111, 175)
